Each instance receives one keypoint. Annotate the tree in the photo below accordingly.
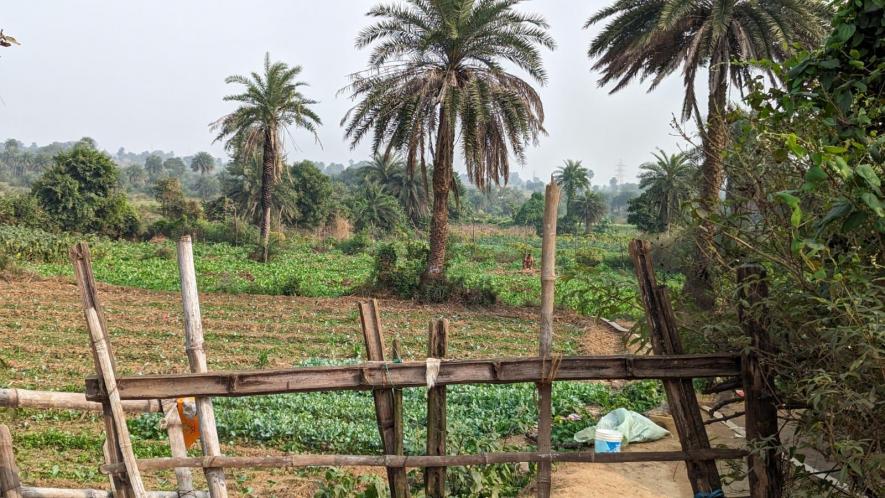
(203, 163)
(385, 170)
(174, 167)
(572, 177)
(173, 204)
(590, 207)
(668, 183)
(242, 183)
(531, 213)
(436, 73)
(314, 194)
(81, 194)
(135, 177)
(650, 39)
(270, 103)
(154, 166)
(374, 209)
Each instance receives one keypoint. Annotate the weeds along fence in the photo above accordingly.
(113, 396)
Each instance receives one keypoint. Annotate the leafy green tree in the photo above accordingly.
(206, 186)
(668, 182)
(437, 73)
(136, 177)
(375, 210)
(314, 194)
(590, 208)
(174, 167)
(173, 203)
(531, 213)
(81, 193)
(644, 214)
(650, 39)
(242, 183)
(154, 166)
(270, 103)
(203, 163)
(573, 178)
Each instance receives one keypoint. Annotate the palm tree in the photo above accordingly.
(572, 177)
(669, 181)
(202, 163)
(437, 75)
(375, 209)
(269, 105)
(650, 39)
(385, 170)
(590, 207)
(242, 183)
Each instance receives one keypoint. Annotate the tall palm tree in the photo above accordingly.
(387, 170)
(573, 178)
(437, 75)
(670, 182)
(650, 39)
(270, 104)
(202, 163)
(590, 207)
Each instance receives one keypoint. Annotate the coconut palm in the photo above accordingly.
(202, 163)
(437, 75)
(650, 39)
(572, 177)
(590, 207)
(270, 103)
(669, 181)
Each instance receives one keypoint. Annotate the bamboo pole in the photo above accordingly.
(196, 355)
(703, 475)
(545, 346)
(413, 374)
(51, 400)
(370, 321)
(106, 369)
(10, 485)
(765, 468)
(435, 477)
(418, 461)
(398, 429)
(82, 263)
(183, 475)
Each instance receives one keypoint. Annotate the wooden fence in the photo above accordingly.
(113, 395)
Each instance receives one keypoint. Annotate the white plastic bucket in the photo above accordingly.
(608, 441)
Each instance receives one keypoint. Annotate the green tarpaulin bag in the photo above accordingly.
(635, 427)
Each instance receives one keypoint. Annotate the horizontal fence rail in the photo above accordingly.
(35, 492)
(413, 374)
(53, 400)
(417, 461)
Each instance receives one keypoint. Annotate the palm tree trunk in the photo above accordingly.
(267, 176)
(442, 181)
(699, 282)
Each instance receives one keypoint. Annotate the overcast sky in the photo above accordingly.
(150, 75)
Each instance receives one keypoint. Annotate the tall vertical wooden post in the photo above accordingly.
(196, 355)
(545, 346)
(370, 321)
(10, 485)
(398, 430)
(81, 259)
(765, 465)
(703, 475)
(435, 477)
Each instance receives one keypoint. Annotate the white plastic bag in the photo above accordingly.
(635, 427)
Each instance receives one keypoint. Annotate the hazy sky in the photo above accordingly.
(150, 75)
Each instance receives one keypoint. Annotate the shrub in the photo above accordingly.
(23, 210)
(33, 244)
(356, 244)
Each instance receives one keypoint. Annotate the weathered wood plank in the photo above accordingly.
(34, 492)
(417, 461)
(10, 485)
(196, 355)
(370, 321)
(52, 400)
(435, 477)
(703, 475)
(183, 476)
(545, 343)
(765, 466)
(412, 374)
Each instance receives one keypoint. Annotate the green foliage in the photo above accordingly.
(398, 267)
(81, 194)
(203, 163)
(33, 245)
(668, 183)
(314, 194)
(356, 244)
(23, 210)
(531, 213)
(340, 484)
(375, 211)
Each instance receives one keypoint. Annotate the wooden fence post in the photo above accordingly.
(435, 477)
(196, 355)
(703, 475)
(10, 485)
(82, 262)
(396, 356)
(384, 402)
(764, 463)
(183, 475)
(545, 346)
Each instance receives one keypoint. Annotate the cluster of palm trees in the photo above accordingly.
(439, 77)
(581, 204)
(668, 183)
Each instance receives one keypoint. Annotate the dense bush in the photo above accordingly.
(81, 194)
(23, 210)
(33, 244)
